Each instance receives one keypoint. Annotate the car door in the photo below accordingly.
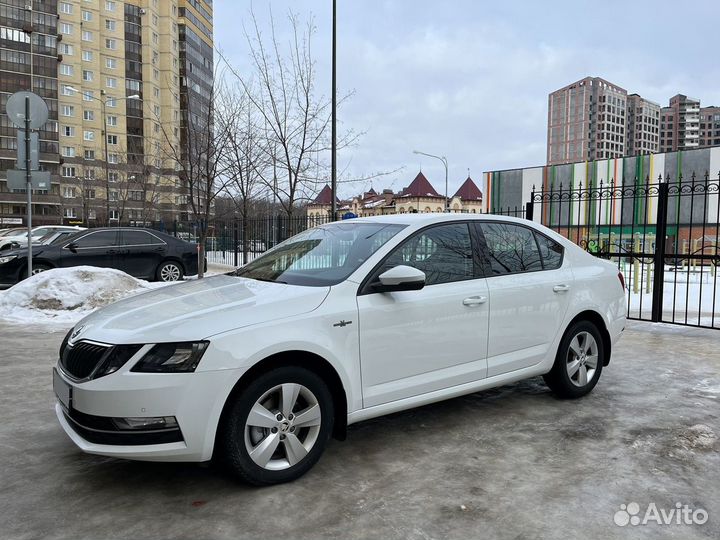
(96, 248)
(415, 342)
(529, 285)
(142, 252)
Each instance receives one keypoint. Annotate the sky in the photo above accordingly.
(469, 80)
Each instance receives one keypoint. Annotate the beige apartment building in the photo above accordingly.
(127, 75)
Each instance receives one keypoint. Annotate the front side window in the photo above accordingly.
(443, 253)
(510, 248)
(321, 256)
(98, 239)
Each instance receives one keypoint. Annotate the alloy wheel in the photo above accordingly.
(582, 359)
(170, 272)
(282, 426)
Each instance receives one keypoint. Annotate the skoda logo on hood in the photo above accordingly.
(76, 331)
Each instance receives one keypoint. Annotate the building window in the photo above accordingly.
(113, 158)
(89, 135)
(111, 102)
(66, 69)
(66, 8)
(68, 172)
(89, 154)
(111, 82)
(66, 28)
(88, 115)
(86, 16)
(109, 24)
(87, 75)
(86, 35)
(68, 131)
(70, 212)
(87, 56)
(113, 176)
(112, 139)
(88, 95)
(68, 110)
(66, 90)
(68, 151)
(113, 195)
(66, 49)
(69, 192)
(110, 63)
(112, 120)
(110, 44)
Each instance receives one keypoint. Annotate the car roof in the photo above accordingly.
(430, 218)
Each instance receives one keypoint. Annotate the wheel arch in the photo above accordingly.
(595, 318)
(299, 358)
(171, 258)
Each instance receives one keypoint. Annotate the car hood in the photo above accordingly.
(197, 309)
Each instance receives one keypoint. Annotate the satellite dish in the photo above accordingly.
(16, 109)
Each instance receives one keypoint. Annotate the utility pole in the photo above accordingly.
(333, 151)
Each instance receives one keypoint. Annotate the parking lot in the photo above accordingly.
(514, 462)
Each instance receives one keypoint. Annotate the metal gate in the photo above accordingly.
(663, 235)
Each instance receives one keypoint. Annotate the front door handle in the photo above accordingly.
(561, 288)
(474, 300)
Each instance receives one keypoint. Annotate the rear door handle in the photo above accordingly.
(474, 300)
(561, 288)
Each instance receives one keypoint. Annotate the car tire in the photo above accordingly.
(578, 363)
(169, 271)
(277, 426)
(36, 269)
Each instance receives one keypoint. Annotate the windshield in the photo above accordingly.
(322, 256)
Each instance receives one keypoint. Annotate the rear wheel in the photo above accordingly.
(578, 363)
(36, 269)
(169, 271)
(277, 427)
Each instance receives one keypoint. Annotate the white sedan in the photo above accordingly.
(340, 323)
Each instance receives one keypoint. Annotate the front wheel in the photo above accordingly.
(36, 269)
(578, 363)
(277, 427)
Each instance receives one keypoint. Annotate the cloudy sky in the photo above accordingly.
(469, 79)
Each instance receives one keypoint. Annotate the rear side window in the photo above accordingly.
(443, 252)
(510, 248)
(139, 238)
(550, 251)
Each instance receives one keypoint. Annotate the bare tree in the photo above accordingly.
(198, 159)
(245, 157)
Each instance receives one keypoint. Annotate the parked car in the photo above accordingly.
(18, 238)
(341, 323)
(142, 253)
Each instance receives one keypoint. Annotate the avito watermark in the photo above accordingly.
(681, 514)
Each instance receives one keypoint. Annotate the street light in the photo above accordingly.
(105, 143)
(444, 162)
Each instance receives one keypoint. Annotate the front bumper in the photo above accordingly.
(195, 400)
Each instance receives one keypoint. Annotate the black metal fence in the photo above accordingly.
(663, 234)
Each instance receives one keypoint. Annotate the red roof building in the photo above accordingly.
(469, 191)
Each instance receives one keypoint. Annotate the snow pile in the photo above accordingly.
(65, 295)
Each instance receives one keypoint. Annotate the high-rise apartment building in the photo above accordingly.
(118, 70)
(709, 126)
(586, 121)
(680, 124)
(643, 126)
(23, 54)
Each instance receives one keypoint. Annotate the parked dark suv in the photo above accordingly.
(142, 253)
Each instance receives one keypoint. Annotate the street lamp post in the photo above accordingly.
(103, 102)
(444, 162)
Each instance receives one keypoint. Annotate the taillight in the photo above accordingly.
(622, 280)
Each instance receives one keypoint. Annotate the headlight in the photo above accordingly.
(116, 359)
(7, 259)
(172, 357)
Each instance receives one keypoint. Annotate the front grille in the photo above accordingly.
(80, 359)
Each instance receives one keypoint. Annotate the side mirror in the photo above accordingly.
(400, 278)
(72, 246)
